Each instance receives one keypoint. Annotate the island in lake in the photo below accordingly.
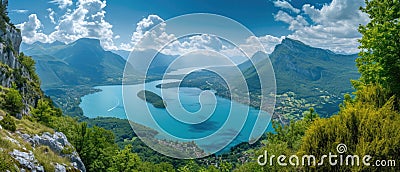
(152, 98)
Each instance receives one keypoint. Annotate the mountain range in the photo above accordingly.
(83, 62)
(307, 71)
(312, 74)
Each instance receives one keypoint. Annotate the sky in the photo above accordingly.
(121, 24)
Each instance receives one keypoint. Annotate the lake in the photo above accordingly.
(109, 103)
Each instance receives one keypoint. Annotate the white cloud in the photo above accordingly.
(31, 30)
(333, 27)
(269, 42)
(195, 43)
(20, 11)
(152, 37)
(145, 25)
(149, 36)
(252, 45)
(62, 3)
(294, 22)
(285, 5)
(151, 32)
(51, 15)
(87, 20)
(337, 11)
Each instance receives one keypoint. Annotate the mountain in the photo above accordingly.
(39, 47)
(158, 65)
(25, 47)
(124, 54)
(83, 62)
(302, 69)
(255, 59)
(311, 74)
(305, 77)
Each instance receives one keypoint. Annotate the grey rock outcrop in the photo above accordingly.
(57, 142)
(27, 160)
(60, 168)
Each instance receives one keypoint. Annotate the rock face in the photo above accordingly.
(60, 168)
(27, 160)
(58, 143)
(11, 68)
(7, 56)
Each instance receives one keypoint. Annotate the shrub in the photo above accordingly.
(8, 123)
(13, 102)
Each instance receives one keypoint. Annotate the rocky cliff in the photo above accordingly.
(12, 71)
(25, 144)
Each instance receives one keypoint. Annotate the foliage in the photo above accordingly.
(289, 134)
(4, 19)
(379, 60)
(125, 160)
(13, 102)
(98, 149)
(8, 123)
(311, 115)
(95, 145)
(120, 127)
(5, 69)
(29, 64)
(285, 140)
(193, 166)
(45, 111)
(365, 128)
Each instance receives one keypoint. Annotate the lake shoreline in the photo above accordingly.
(97, 104)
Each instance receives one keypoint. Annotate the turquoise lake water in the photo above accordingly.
(109, 103)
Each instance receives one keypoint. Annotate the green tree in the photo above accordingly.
(379, 60)
(98, 150)
(29, 64)
(310, 115)
(190, 166)
(44, 112)
(125, 160)
(13, 102)
(290, 134)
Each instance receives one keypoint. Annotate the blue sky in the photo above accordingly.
(329, 24)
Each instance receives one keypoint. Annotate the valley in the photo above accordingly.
(292, 60)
